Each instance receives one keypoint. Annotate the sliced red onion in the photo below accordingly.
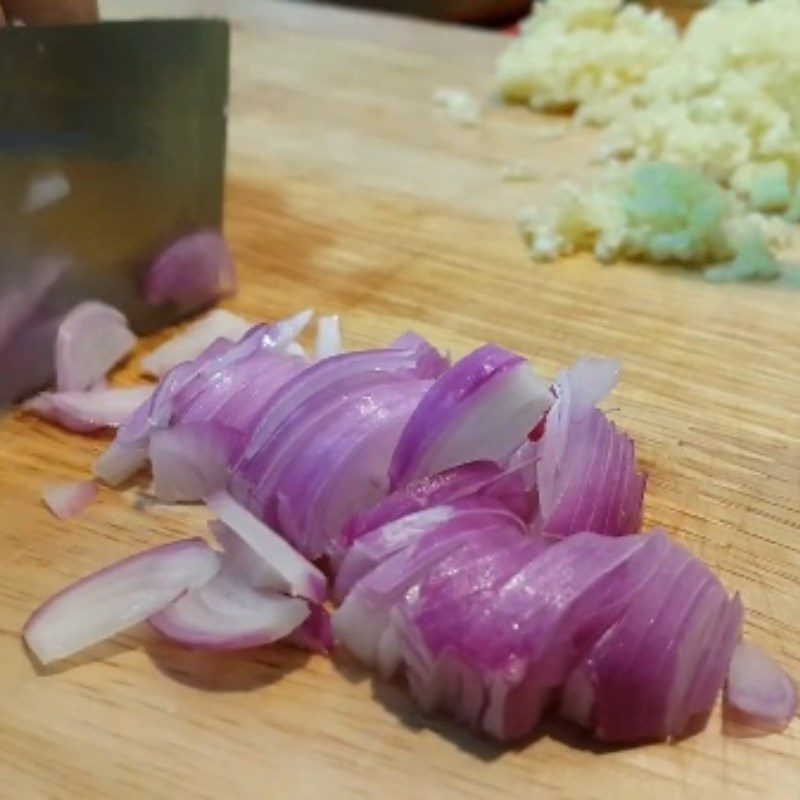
(328, 461)
(363, 621)
(586, 469)
(263, 556)
(190, 343)
(67, 500)
(245, 374)
(537, 614)
(229, 384)
(373, 548)
(241, 606)
(490, 624)
(417, 361)
(329, 338)
(193, 271)
(91, 339)
(116, 598)
(227, 614)
(659, 668)
(481, 408)
(190, 460)
(759, 695)
(84, 412)
(477, 479)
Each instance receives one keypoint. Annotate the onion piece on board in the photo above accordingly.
(329, 338)
(241, 605)
(85, 412)
(192, 271)
(67, 500)
(190, 343)
(91, 339)
(266, 558)
(227, 614)
(116, 598)
(759, 695)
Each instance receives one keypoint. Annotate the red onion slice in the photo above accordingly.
(227, 614)
(116, 598)
(661, 666)
(91, 339)
(759, 695)
(193, 271)
(329, 338)
(190, 343)
(347, 371)
(84, 412)
(363, 620)
(375, 547)
(585, 473)
(477, 479)
(190, 461)
(67, 500)
(266, 558)
(481, 408)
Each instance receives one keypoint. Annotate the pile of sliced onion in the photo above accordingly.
(479, 526)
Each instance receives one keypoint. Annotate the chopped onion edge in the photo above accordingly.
(759, 695)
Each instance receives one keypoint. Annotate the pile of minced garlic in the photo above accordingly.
(714, 115)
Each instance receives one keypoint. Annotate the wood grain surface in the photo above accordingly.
(350, 192)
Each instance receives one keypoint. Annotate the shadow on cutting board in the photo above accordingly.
(226, 671)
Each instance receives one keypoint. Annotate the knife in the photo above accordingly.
(112, 146)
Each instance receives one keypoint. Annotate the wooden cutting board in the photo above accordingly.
(350, 192)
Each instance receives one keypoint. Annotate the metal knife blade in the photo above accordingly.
(112, 145)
